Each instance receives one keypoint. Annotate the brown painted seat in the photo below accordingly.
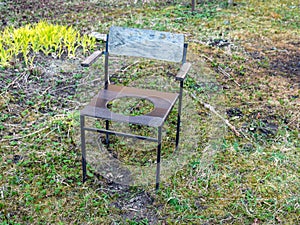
(138, 43)
(162, 101)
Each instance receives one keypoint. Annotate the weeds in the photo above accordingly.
(43, 37)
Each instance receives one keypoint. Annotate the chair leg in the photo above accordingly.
(177, 132)
(83, 149)
(159, 143)
(178, 125)
(107, 135)
(179, 115)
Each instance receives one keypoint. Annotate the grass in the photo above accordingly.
(253, 82)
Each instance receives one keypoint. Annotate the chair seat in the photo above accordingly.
(163, 103)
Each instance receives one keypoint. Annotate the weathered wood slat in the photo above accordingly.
(146, 43)
(92, 58)
(184, 69)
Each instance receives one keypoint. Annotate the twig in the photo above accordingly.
(124, 69)
(222, 71)
(227, 75)
(14, 81)
(44, 92)
(294, 119)
(2, 192)
(212, 109)
(131, 209)
(198, 42)
(21, 137)
(97, 79)
(78, 85)
(35, 132)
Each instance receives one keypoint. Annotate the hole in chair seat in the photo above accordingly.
(130, 106)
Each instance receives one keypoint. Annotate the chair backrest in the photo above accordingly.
(146, 43)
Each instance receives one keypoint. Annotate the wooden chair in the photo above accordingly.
(138, 43)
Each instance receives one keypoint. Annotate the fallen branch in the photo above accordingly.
(73, 85)
(220, 69)
(21, 137)
(125, 68)
(13, 82)
(89, 82)
(212, 109)
(35, 132)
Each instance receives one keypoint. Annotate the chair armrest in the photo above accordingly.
(184, 69)
(92, 58)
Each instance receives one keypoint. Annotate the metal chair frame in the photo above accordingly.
(98, 107)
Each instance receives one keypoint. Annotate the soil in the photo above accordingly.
(52, 82)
